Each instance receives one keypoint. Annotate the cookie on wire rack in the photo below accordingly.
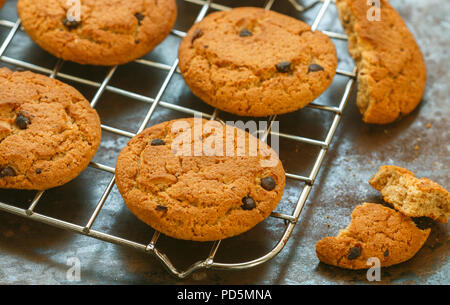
(254, 62)
(98, 32)
(48, 131)
(194, 193)
(391, 67)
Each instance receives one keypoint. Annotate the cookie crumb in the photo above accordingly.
(8, 234)
(24, 228)
(198, 276)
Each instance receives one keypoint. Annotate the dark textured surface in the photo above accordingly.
(36, 253)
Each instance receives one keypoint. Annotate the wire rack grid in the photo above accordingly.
(290, 220)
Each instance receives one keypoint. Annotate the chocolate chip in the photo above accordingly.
(245, 33)
(38, 171)
(158, 142)
(386, 253)
(355, 252)
(248, 203)
(268, 183)
(423, 223)
(71, 24)
(139, 17)
(7, 172)
(161, 208)
(197, 34)
(315, 68)
(284, 66)
(22, 121)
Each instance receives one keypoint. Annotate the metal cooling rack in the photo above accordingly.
(151, 248)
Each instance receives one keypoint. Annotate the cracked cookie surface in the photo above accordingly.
(110, 32)
(391, 68)
(201, 197)
(48, 131)
(254, 62)
(412, 196)
(374, 231)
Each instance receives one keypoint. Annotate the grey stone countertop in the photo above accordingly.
(35, 253)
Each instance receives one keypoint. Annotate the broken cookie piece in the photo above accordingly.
(391, 68)
(374, 231)
(412, 196)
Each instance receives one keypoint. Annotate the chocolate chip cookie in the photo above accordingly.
(107, 32)
(391, 68)
(48, 131)
(375, 231)
(199, 181)
(412, 196)
(255, 62)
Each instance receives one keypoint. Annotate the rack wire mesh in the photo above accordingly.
(290, 219)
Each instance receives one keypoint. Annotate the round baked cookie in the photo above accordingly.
(391, 68)
(196, 194)
(48, 131)
(375, 231)
(110, 32)
(254, 62)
